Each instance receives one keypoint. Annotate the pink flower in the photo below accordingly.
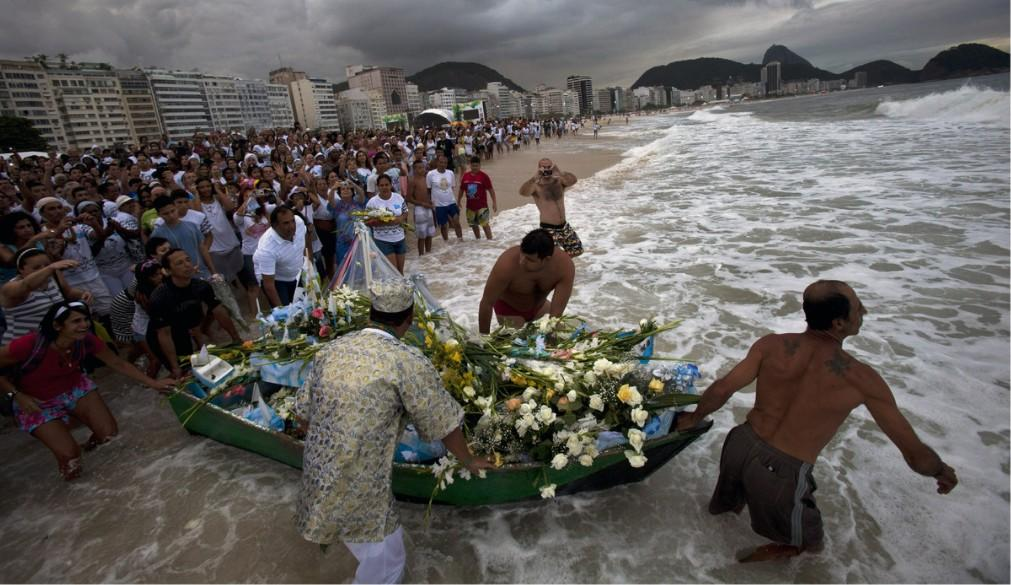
(317, 313)
(324, 331)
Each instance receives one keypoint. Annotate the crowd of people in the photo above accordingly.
(154, 239)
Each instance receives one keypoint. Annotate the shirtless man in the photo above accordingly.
(424, 209)
(807, 386)
(523, 276)
(547, 188)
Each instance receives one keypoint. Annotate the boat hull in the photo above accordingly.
(414, 482)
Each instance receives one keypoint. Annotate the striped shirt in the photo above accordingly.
(26, 317)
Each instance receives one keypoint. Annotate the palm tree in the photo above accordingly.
(41, 59)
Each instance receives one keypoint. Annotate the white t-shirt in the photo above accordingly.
(197, 218)
(394, 175)
(252, 229)
(224, 234)
(278, 257)
(397, 205)
(441, 185)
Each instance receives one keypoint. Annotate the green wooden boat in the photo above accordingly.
(415, 482)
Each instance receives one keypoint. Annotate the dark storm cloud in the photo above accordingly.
(530, 41)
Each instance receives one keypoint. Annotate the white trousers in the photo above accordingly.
(380, 562)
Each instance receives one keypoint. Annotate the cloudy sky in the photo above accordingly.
(529, 41)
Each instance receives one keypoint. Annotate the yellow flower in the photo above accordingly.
(624, 393)
(456, 357)
(656, 386)
(518, 380)
(549, 394)
(428, 341)
(498, 460)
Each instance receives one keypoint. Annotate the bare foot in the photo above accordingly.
(71, 470)
(771, 552)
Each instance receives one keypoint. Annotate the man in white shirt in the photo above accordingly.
(441, 182)
(279, 254)
(383, 167)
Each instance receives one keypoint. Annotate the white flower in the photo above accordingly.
(482, 401)
(548, 491)
(546, 415)
(529, 393)
(601, 366)
(635, 459)
(560, 385)
(562, 435)
(544, 324)
(589, 378)
(572, 396)
(639, 416)
(468, 391)
(592, 451)
(636, 438)
(574, 445)
(643, 323)
(585, 460)
(525, 409)
(452, 343)
(596, 402)
(559, 461)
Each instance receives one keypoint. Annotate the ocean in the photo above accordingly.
(717, 218)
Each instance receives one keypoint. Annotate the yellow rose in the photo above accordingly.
(656, 386)
(624, 393)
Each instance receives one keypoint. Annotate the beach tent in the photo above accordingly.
(23, 155)
(434, 117)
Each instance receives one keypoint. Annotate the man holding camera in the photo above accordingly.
(547, 188)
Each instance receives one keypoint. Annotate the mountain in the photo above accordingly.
(965, 60)
(961, 61)
(695, 73)
(469, 76)
(883, 72)
(783, 55)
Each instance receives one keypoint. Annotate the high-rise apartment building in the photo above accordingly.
(182, 106)
(602, 101)
(414, 101)
(254, 103)
(286, 75)
(389, 80)
(354, 109)
(772, 78)
(25, 93)
(582, 87)
(141, 107)
(313, 104)
(223, 102)
(279, 101)
(91, 106)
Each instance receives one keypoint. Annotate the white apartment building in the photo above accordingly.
(254, 103)
(354, 109)
(446, 97)
(91, 105)
(181, 103)
(313, 104)
(25, 93)
(223, 102)
(414, 101)
(141, 108)
(279, 98)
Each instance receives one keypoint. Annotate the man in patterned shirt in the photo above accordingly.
(354, 400)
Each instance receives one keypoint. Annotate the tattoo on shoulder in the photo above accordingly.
(792, 345)
(839, 363)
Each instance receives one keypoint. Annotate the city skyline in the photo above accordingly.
(245, 38)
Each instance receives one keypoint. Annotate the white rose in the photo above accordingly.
(635, 459)
(635, 399)
(525, 409)
(601, 366)
(529, 393)
(574, 445)
(590, 378)
(468, 391)
(585, 460)
(596, 402)
(560, 385)
(636, 438)
(548, 491)
(559, 461)
(572, 396)
(592, 451)
(546, 415)
(642, 324)
(639, 416)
